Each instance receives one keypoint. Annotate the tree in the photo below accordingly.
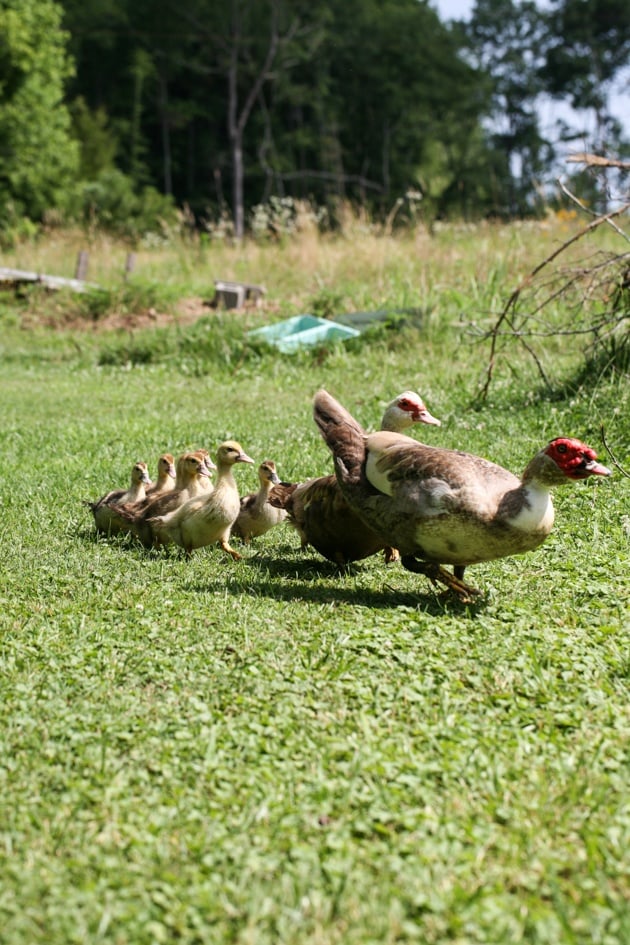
(506, 41)
(588, 49)
(355, 99)
(247, 39)
(38, 156)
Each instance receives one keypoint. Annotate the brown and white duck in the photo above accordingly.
(165, 481)
(106, 510)
(256, 515)
(191, 472)
(440, 506)
(319, 512)
(207, 518)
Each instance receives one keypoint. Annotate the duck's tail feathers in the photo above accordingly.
(344, 437)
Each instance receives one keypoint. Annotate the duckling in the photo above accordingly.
(191, 470)
(209, 517)
(165, 481)
(106, 510)
(205, 483)
(257, 516)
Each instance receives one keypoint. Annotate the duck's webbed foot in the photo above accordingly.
(438, 575)
(226, 547)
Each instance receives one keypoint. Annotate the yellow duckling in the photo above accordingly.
(165, 481)
(256, 515)
(191, 470)
(106, 510)
(205, 483)
(207, 518)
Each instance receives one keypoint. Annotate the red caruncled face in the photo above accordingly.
(409, 406)
(575, 459)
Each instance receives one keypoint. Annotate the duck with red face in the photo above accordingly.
(440, 506)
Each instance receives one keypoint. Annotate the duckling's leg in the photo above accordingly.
(438, 575)
(226, 547)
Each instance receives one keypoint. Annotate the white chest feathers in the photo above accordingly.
(378, 477)
(536, 512)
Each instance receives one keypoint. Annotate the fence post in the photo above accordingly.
(82, 266)
(130, 265)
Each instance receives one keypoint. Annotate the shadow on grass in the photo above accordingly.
(291, 576)
(295, 580)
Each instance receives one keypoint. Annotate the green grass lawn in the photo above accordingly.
(266, 751)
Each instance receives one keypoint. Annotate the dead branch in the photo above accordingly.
(614, 461)
(596, 160)
(586, 209)
(509, 311)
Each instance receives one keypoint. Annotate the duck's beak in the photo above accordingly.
(423, 416)
(592, 468)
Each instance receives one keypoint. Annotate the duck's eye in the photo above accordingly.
(562, 447)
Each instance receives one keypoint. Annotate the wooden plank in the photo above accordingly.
(18, 276)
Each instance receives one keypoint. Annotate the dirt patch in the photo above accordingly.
(186, 312)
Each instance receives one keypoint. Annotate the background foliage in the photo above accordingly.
(218, 107)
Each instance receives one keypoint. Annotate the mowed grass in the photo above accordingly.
(268, 751)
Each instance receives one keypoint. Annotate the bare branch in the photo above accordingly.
(615, 463)
(596, 160)
(586, 209)
(509, 310)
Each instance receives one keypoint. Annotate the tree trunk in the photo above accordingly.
(166, 137)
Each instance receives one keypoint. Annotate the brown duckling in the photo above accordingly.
(256, 515)
(107, 517)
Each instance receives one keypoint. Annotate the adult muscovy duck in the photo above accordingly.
(319, 512)
(441, 506)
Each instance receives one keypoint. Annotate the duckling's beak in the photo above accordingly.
(274, 477)
(210, 466)
(244, 458)
(171, 471)
(145, 478)
(204, 472)
(423, 416)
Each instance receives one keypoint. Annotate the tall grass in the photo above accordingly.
(268, 751)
